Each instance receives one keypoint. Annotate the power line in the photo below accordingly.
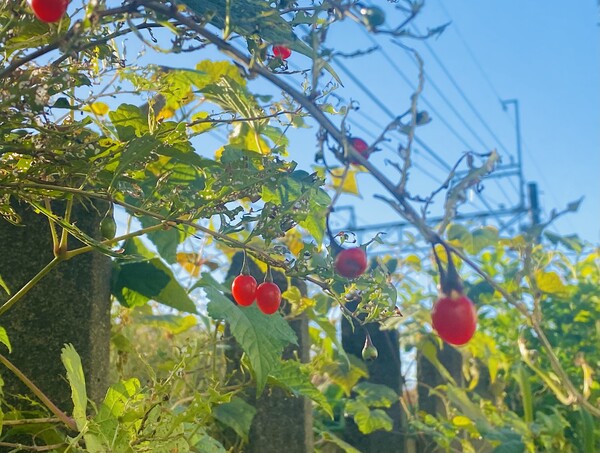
(462, 93)
(404, 77)
(390, 113)
(392, 63)
(425, 100)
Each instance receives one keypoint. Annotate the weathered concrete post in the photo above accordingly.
(283, 423)
(385, 370)
(70, 305)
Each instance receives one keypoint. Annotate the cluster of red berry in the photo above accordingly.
(267, 295)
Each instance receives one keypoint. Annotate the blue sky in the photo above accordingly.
(545, 54)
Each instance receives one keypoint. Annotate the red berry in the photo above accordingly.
(49, 10)
(243, 289)
(268, 297)
(282, 52)
(362, 147)
(351, 263)
(454, 319)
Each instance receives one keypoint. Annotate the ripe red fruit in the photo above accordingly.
(49, 10)
(455, 319)
(351, 263)
(243, 289)
(362, 147)
(282, 52)
(268, 297)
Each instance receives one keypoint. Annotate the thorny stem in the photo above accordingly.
(37, 392)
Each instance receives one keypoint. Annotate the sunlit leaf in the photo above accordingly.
(262, 337)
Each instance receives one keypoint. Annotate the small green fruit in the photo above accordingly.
(108, 227)
(369, 351)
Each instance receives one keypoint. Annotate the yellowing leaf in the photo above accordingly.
(550, 282)
(192, 263)
(199, 124)
(98, 108)
(294, 242)
(461, 420)
(348, 183)
(165, 113)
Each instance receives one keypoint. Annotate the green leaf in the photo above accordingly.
(129, 121)
(248, 18)
(76, 379)
(112, 414)
(368, 420)
(4, 286)
(4, 339)
(588, 436)
(293, 376)
(166, 241)
(375, 395)
(473, 241)
(346, 372)
(237, 414)
(261, 337)
(72, 363)
(204, 443)
(135, 283)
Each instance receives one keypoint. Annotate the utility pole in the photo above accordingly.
(515, 104)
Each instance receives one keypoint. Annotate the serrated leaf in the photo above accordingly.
(293, 376)
(76, 379)
(261, 337)
(237, 414)
(4, 339)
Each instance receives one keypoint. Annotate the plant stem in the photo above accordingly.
(30, 421)
(68, 421)
(30, 284)
(20, 447)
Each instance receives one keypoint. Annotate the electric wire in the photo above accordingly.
(438, 115)
(493, 89)
(462, 94)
